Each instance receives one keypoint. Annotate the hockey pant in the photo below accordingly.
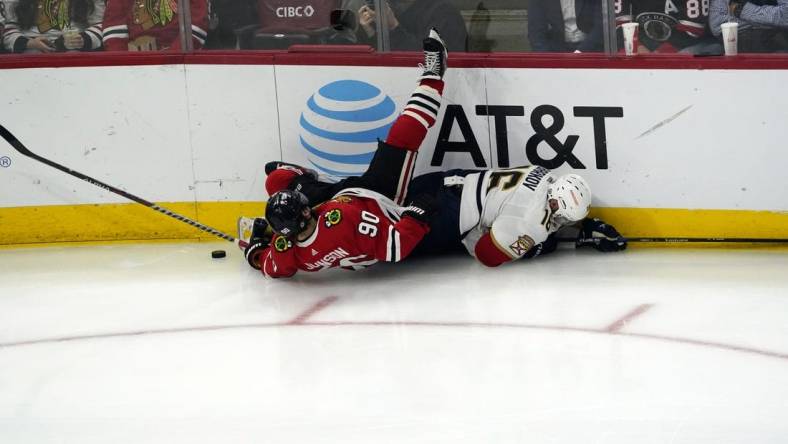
(444, 235)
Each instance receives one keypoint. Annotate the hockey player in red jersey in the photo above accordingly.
(365, 223)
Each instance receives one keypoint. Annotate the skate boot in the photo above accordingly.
(435, 56)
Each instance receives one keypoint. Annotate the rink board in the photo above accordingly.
(111, 222)
(674, 160)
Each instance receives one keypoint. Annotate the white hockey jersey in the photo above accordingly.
(510, 205)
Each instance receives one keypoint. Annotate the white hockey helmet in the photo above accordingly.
(573, 199)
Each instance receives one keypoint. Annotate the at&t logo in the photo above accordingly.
(342, 124)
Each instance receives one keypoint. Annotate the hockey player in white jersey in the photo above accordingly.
(496, 215)
(509, 214)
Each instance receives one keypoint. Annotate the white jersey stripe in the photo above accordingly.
(389, 244)
(123, 28)
(397, 256)
(689, 24)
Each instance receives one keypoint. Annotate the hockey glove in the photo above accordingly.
(260, 240)
(546, 247)
(601, 236)
(270, 167)
(421, 208)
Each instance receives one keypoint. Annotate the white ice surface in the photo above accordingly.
(162, 344)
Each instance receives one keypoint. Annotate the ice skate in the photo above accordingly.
(435, 56)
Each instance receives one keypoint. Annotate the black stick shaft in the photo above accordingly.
(683, 240)
(679, 240)
(11, 139)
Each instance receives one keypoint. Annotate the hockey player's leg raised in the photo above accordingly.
(392, 166)
(421, 111)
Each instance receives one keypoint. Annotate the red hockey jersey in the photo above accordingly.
(151, 25)
(354, 230)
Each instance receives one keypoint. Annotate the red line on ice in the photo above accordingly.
(427, 324)
(319, 305)
(627, 318)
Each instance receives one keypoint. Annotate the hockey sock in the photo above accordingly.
(420, 113)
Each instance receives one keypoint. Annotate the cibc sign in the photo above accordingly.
(295, 11)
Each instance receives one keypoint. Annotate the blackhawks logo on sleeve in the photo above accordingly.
(333, 217)
(282, 244)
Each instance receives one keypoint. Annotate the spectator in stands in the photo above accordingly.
(762, 23)
(478, 27)
(318, 24)
(43, 26)
(278, 24)
(226, 18)
(668, 27)
(2, 26)
(565, 25)
(151, 25)
(409, 20)
(589, 20)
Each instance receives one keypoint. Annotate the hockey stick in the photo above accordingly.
(14, 142)
(683, 240)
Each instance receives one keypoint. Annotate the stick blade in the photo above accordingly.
(6, 134)
(11, 139)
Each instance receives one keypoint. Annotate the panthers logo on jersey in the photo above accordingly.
(333, 217)
(521, 245)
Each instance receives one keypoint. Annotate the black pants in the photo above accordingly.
(389, 174)
(444, 235)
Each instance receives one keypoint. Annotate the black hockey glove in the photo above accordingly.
(601, 236)
(260, 240)
(548, 246)
(421, 208)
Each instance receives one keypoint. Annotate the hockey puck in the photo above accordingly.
(218, 254)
